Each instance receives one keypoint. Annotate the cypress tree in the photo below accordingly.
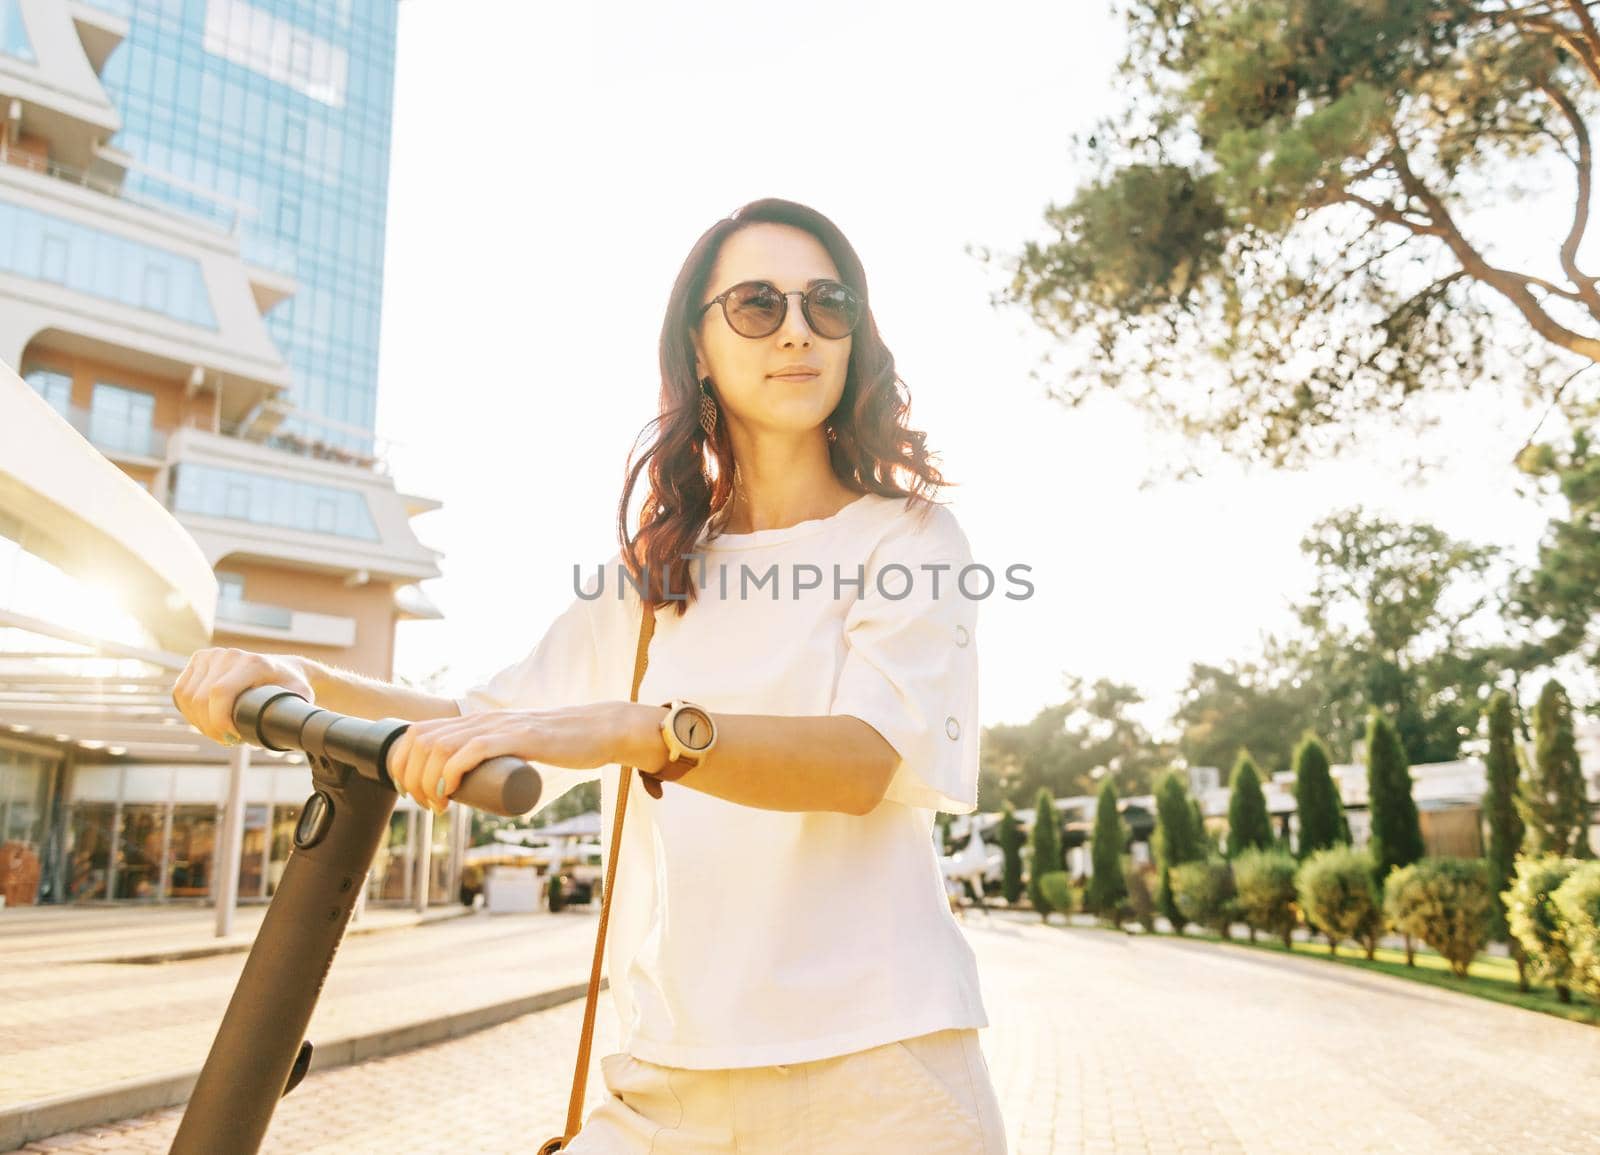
(1046, 847)
(1505, 824)
(1107, 886)
(1553, 801)
(1177, 836)
(1176, 841)
(1249, 827)
(1316, 799)
(1396, 830)
(1011, 850)
(1203, 838)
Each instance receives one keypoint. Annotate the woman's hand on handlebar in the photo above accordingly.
(211, 683)
(429, 760)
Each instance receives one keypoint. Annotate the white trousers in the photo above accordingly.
(929, 1095)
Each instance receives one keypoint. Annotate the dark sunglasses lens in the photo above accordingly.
(755, 309)
(833, 310)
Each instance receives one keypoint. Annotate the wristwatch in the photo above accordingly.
(689, 732)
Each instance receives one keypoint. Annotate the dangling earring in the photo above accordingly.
(708, 408)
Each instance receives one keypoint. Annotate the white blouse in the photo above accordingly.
(743, 937)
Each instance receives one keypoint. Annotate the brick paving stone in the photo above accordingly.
(68, 1028)
(1099, 1043)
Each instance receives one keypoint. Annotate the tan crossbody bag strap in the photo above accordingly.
(580, 1078)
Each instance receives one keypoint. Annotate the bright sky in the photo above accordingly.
(551, 169)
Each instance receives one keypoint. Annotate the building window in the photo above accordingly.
(214, 491)
(104, 265)
(54, 387)
(122, 420)
(230, 588)
(270, 46)
(14, 40)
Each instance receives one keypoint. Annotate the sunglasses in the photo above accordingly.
(757, 308)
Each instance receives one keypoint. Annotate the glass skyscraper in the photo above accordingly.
(192, 211)
(273, 118)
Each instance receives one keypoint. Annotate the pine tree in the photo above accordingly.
(1316, 799)
(1011, 850)
(1553, 799)
(1505, 824)
(1046, 847)
(1107, 886)
(1396, 829)
(1249, 827)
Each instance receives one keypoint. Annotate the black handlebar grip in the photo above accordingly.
(280, 719)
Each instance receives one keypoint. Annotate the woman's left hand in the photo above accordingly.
(429, 760)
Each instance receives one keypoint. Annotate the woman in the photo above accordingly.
(784, 963)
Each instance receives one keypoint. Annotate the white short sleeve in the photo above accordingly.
(562, 670)
(911, 663)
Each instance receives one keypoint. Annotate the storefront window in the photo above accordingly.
(439, 865)
(283, 823)
(89, 862)
(253, 869)
(193, 856)
(388, 878)
(139, 861)
(25, 781)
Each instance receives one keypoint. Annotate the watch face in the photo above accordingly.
(693, 728)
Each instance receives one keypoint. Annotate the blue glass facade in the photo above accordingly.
(14, 40)
(45, 247)
(216, 491)
(275, 115)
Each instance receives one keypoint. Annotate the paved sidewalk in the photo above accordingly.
(38, 935)
(1098, 1043)
(122, 1033)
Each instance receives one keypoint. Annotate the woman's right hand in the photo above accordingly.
(211, 683)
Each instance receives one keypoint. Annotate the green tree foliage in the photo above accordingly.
(1316, 797)
(1446, 903)
(1046, 858)
(1257, 705)
(1536, 921)
(1140, 900)
(1176, 839)
(1396, 830)
(1264, 880)
(1055, 887)
(1107, 888)
(1577, 902)
(1064, 744)
(1204, 892)
(1414, 595)
(1335, 891)
(1552, 800)
(1011, 854)
(1283, 202)
(1505, 824)
(1249, 825)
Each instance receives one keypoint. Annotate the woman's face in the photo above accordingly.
(741, 368)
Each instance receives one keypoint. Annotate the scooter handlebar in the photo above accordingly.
(280, 719)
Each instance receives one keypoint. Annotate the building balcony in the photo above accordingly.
(95, 274)
(279, 623)
(122, 440)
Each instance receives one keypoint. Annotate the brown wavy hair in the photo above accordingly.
(691, 475)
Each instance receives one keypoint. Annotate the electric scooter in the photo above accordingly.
(260, 1052)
